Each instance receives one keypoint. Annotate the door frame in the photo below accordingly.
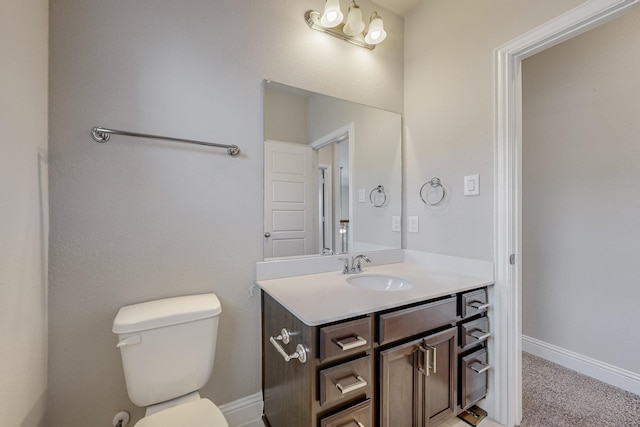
(325, 204)
(508, 189)
(346, 132)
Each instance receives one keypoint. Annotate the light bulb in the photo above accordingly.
(354, 23)
(376, 32)
(332, 15)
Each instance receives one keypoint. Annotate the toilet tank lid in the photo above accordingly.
(165, 312)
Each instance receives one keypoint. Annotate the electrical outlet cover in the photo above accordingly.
(396, 224)
(413, 224)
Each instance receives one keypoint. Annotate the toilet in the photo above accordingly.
(167, 348)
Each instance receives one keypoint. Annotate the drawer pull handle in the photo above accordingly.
(478, 305)
(300, 353)
(479, 367)
(435, 356)
(358, 342)
(426, 361)
(352, 387)
(479, 334)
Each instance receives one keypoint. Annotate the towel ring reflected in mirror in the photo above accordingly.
(435, 183)
(376, 195)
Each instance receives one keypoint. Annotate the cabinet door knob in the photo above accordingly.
(267, 234)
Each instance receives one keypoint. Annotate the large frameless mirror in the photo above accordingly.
(332, 175)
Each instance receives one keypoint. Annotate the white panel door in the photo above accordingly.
(288, 199)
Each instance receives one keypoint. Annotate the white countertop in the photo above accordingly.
(321, 298)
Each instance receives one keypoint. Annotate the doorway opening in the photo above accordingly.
(507, 189)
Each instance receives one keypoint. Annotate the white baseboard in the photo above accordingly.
(621, 378)
(244, 412)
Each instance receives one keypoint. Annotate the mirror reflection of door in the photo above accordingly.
(332, 151)
(288, 200)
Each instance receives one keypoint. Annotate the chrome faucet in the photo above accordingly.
(354, 265)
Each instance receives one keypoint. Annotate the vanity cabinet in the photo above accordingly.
(393, 368)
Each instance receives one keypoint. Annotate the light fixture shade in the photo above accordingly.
(376, 32)
(332, 15)
(354, 24)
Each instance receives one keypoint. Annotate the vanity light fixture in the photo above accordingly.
(332, 15)
(376, 32)
(355, 24)
(352, 31)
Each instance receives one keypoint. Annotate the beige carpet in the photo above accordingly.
(554, 396)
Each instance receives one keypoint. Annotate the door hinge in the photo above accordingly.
(512, 259)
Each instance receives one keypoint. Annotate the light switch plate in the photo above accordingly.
(396, 224)
(413, 224)
(361, 195)
(472, 185)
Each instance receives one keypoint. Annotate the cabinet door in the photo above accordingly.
(441, 375)
(401, 386)
(418, 381)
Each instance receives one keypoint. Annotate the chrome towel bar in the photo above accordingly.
(100, 134)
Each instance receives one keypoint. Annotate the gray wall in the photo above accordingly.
(134, 220)
(23, 212)
(285, 117)
(449, 117)
(581, 194)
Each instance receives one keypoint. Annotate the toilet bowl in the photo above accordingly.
(168, 348)
(197, 413)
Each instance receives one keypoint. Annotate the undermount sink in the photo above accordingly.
(379, 282)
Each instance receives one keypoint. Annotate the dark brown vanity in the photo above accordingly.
(410, 366)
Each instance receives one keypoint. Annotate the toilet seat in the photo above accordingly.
(196, 413)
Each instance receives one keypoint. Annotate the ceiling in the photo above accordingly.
(401, 7)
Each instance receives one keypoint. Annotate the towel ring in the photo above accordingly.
(379, 189)
(435, 183)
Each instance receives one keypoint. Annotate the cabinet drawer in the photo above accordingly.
(473, 303)
(474, 332)
(411, 321)
(346, 380)
(345, 339)
(473, 374)
(360, 415)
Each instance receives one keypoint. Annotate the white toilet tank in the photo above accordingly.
(167, 346)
